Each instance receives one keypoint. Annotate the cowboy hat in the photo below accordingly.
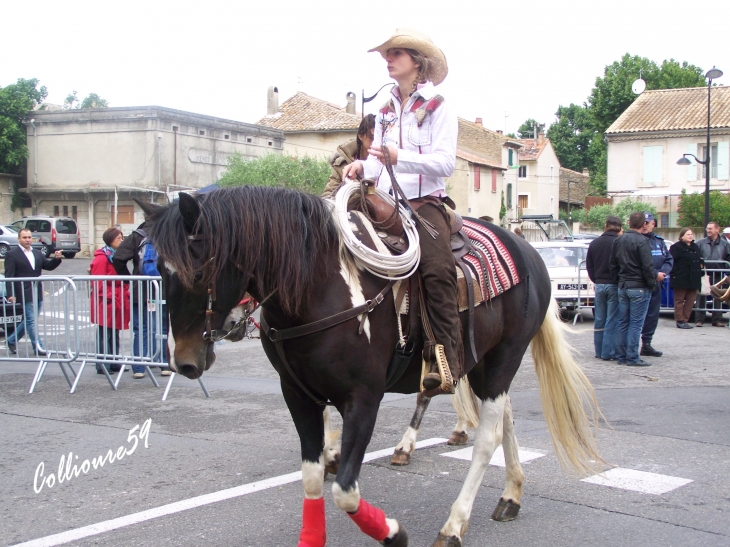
(412, 39)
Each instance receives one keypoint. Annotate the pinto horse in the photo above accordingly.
(283, 247)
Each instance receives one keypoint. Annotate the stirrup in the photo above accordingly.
(447, 380)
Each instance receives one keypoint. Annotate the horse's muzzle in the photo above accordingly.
(193, 366)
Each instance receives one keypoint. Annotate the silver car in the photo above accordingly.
(53, 233)
(9, 240)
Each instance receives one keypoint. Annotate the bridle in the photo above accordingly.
(210, 334)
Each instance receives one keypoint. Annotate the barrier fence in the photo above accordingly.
(117, 324)
(715, 269)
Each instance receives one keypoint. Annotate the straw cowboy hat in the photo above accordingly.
(412, 39)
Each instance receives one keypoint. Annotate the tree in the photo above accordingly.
(299, 173)
(691, 209)
(596, 216)
(91, 101)
(527, 129)
(16, 100)
(570, 137)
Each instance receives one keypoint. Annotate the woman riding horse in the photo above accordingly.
(419, 133)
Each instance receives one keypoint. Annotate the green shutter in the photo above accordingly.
(510, 157)
(723, 157)
(509, 194)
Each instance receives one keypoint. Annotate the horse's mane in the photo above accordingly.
(274, 235)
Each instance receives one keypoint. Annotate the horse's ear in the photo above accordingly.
(189, 210)
(147, 208)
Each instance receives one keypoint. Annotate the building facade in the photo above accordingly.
(646, 141)
(90, 163)
(538, 178)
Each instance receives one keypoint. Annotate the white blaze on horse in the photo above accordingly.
(283, 247)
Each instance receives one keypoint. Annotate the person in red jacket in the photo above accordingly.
(109, 299)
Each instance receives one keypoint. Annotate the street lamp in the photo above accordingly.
(712, 74)
(368, 99)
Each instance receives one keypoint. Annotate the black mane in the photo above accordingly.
(274, 235)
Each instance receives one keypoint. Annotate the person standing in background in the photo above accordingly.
(713, 247)
(686, 276)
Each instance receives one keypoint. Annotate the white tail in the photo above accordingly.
(466, 404)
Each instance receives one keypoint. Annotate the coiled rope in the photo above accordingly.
(385, 266)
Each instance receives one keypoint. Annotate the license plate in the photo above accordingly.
(572, 286)
(10, 319)
(66, 243)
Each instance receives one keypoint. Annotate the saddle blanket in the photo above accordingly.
(489, 262)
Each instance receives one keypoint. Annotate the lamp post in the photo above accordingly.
(368, 99)
(712, 74)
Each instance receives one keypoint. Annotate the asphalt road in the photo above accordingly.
(669, 420)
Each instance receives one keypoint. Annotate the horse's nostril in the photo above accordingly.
(189, 371)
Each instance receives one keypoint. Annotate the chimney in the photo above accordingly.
(478, 121)
(272, 101)
(500, 131)
(585, 172)
(350, 108)
(540, 136)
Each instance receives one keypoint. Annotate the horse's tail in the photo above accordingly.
(564, 390)
(466, 403)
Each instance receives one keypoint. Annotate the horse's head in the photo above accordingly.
(201, 284)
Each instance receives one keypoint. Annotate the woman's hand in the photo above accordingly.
(352, 171)
(377, 151)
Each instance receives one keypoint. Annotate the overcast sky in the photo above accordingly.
(508, 61)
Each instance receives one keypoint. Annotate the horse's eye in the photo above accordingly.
(198, 276)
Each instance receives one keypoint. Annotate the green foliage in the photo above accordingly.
(16, 100)
(691, 209)
(578, 134)
(91, 101)
(502, 208)
(576, 215)
(299, 173)
(527, 129)
(595, 217)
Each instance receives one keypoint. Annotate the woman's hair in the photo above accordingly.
(367, 125)
(424, 67)
(110, 235)
(684, 231)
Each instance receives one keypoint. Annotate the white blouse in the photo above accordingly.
(426, 154)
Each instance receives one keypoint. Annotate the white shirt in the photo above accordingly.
(436, 158)
(30, 256)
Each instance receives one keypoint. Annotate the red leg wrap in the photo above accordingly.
(314, 531)
(371, 521)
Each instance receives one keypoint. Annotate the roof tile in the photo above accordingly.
(305, 113)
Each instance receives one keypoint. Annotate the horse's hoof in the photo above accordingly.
(443, 541)
(400, 457)
(506, 510)
(332, 467)
(458, 438)
(398, 540)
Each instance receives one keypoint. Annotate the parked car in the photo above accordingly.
(569, 280)
(9, 240)
(10, 314)
(53, 233)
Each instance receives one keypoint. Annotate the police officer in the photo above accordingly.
(663, 263)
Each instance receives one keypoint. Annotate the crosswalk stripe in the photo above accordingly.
(638, 481)
(525, 455)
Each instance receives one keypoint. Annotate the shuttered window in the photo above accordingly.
(653, 165)
(494, 180)
(477, 178)
(509, 196)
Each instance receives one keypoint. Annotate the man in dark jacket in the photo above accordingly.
(142, 346)
(631, 259)
(663, 263)
(24, 261)
(713, 247)
(605, 311)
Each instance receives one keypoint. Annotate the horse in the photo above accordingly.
(284, 248)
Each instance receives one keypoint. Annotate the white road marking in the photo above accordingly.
(184, 505)
(497, 457)
(638, 481)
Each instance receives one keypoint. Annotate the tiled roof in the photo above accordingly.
(578, 186)
(481, 143)
(531, 150)
(305, 113)
(674, 110)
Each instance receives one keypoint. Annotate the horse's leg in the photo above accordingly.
(509, 503)
(308, 420)
(402, 453)
(487, 439)
(331, 444)
(358, 423)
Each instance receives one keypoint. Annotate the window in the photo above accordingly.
(65, 227)
(523, 202)
(202, 133)
(248, 139)
(44, 226)
(522, 172)
(494, 180)
(270, 143)
(713, 159)
(664, 219)
(510, 157)
(477, 178)
(175, 128)
(653, 165)
(55, 210)
(75, 212)
(225, 136)
(509, 196)
(125, 215)
(65, 210)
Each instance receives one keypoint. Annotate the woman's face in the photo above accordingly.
(367, 142)
(117, 241)
(401, 66)
(688, 237)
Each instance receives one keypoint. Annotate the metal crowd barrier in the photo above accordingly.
(87, 320)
